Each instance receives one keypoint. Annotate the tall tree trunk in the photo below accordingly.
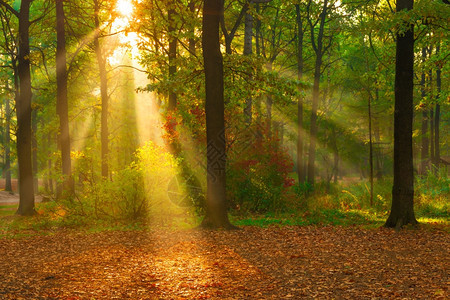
(192, 41)
(248, 33)
(173, 43)
(49, 164)
(8, 186)
(437, 116)
(34, 148)
(62, 107)
(369, 108)
(23, 108)
(432, 152)
(313, 128)
(216, 202)
(172, 55)
(269, 102)
(319, 51)
(402, 209)
(378, 156)
(258, 39)
(103, 92)
(300, 134)
(425, 141)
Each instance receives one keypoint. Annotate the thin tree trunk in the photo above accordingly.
(258, 39)
(437, 115)
(300, 134)
(369, 106)
(49, 165)
(216, 202)
(313, 128)
(8, 186)
(378, 156)
(34, 148)
(402, 209)
(248, 33)
(23, 108)
(192, 41)
(104, 94)
(432, 152)
(425, 141)
(319, 51)
(172, 56)
(269, 102)
(62, 107)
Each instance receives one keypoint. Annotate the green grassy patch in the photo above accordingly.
(317, 217)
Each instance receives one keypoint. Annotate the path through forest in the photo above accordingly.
(253, 263)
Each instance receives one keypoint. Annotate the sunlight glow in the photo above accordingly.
(125, 8)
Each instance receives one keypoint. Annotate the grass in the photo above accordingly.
(317, 217)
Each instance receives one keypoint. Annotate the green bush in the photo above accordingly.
(139, 191)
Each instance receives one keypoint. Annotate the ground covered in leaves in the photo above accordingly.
(252, 263)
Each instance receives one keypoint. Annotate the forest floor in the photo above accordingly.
(7, 198)
(276, 262)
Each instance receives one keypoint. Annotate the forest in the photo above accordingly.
(239, 149)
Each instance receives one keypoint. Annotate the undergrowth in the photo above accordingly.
(327, 204)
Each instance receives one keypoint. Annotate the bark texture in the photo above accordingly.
(216, 202)
(402, 210)
(23, 107)
(62, 107)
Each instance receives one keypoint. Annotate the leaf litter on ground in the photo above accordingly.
(288, 262)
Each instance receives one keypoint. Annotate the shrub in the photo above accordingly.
(258, 176)
(138, 191)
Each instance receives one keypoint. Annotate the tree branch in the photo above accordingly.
(9, 8)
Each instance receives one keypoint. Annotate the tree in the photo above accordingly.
(23, 110)
(319, 49)
(173, 41)
(61, 103)
(300, 63)
(402, 209)
(8, 186)
(101, 60)
(216, 202)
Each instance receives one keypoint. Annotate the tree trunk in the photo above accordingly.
(216, 202)
(269, 102)
(34, 148)
(23, 108)
(49, 164)
(192, 41)
(8, 186)
(437, 115)
(300, 134)
(425, 141)
(313, 128)
(402, 210)
(432, 152)
(319, 51)
(378, 156)
(62, 107)
(172, 57)
(104, 94)
(248, 33)
(258, 39)
(369, 107)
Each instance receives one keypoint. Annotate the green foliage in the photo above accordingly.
(432, 195)
(136, 192)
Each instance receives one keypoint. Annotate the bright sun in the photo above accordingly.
(125, 8)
